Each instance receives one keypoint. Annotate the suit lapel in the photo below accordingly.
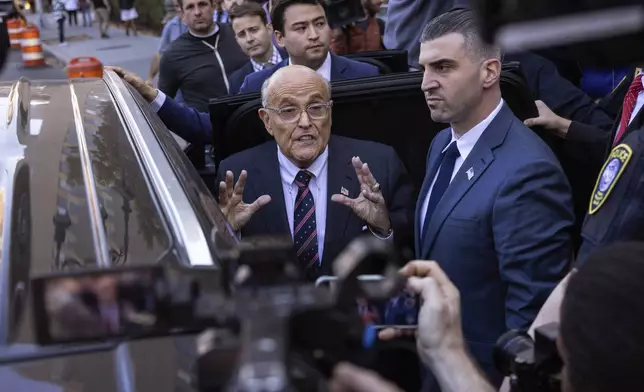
(269, 182)
(476, 163)
(340, 175)
(338, 66)
(432, 167)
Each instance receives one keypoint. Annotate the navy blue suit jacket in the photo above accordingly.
(342, 225)
(341, 68)
(195, 126)
(502, 236)
(237, 78)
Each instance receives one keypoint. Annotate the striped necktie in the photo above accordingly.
(305, 234)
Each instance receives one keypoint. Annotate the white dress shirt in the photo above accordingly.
(317, 186)
(464, 144)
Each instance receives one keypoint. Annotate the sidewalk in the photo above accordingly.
(131, 53)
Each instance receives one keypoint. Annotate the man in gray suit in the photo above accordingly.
(495, 209)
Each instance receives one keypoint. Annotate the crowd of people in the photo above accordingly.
(498, 211)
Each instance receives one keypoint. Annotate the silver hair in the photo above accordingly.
(267, 84)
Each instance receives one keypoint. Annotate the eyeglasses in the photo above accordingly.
(292, 114)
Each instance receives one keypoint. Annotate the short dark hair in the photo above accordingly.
(464, 22)
(180, 3)
(602, 318)
(247, 8)
(280, 7)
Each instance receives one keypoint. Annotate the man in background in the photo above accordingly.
(406, 20)
(253, 34)
(302, 28)
(102, 11)
(362, 36)
(200, 61)
(173, 29)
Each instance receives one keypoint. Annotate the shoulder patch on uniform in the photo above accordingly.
(612, 170)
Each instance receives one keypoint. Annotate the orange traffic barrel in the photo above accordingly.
(14, 26)
(84, 67)
(32, 54)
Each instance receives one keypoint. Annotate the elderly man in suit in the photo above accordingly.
(302, 29)
(495, 209)
(309, 184)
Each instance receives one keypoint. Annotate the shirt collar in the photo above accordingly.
(275, 59)
(466, 142)
(288, 170)
(214, 31)
(325, 68)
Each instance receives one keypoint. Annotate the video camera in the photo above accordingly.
(262, 327)
(532, 365)
(343, 12)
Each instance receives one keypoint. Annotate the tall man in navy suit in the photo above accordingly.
(495, 210)
(302, 29)
(322, 190)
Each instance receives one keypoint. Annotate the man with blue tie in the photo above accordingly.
(495, 208)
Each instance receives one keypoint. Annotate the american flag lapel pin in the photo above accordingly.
(470, 173)
(344, 191)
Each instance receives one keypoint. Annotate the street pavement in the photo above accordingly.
(13, 69)
(129, 52)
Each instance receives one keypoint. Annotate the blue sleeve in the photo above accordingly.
(166, 37)
(244, 87)
(532, 223)
(190, 124)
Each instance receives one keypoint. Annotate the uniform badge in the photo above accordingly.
(612, 170)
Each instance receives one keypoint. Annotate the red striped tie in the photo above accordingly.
(629, 105)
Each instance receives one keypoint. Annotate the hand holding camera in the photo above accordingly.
(439, 320)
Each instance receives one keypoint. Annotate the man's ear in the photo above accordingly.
(491, 72)
(279, 37)
(265, 116)
(270, 28)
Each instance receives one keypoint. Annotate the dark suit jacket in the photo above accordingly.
(502, 236)
(237, 78)
(341, 68)
(563, 97)
(585, 149)
(621, 216)
(195, 127)
(342, 225)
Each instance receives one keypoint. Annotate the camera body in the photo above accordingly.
(343, 12)
(531, 365)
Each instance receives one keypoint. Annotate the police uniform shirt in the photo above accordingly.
(616, 208)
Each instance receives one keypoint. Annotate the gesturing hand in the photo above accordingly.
(146, 90)
(235, 210)
(370, 204)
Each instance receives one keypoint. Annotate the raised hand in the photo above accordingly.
(145, 89)
(370, 205)
(235, 210)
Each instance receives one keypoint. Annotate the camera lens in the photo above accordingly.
(508, 347)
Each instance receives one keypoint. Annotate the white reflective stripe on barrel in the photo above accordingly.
(30, 42)
(32, 56)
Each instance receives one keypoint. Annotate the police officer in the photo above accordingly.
(616, 208)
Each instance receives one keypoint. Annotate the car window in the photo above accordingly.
(202, 200)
